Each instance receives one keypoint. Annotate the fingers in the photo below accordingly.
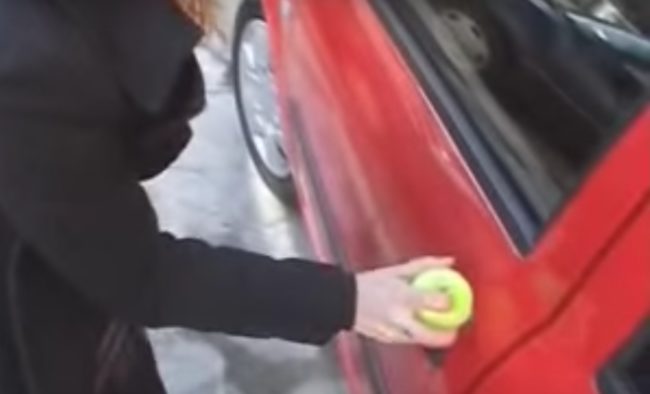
(422, 264)
(435, 302)
(411, 333)
(431, 301)
(387, 333)
(415, 333)
(404, 329)
(390, 335)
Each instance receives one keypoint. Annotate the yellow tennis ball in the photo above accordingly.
(461, 298)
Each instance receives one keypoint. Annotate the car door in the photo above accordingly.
(400, 150)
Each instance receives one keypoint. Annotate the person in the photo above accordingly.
(95, 96)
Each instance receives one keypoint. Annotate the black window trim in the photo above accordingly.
(506, 198)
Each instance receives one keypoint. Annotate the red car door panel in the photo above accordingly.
(392, 185)
(370, 151)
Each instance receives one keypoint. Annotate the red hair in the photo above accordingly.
(202, 12)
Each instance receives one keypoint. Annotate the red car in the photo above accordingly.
(514, 136)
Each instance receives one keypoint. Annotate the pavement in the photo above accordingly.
(213, 192)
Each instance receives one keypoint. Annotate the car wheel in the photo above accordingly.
(255, 94)
(481, 43)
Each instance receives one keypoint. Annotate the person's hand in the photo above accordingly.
(386, 305)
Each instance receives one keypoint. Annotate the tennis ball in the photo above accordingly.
(459, 291)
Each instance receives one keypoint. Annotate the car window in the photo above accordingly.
(547, 84)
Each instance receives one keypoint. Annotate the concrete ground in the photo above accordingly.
(213, 192)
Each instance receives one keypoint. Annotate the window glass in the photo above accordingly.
(627, 372)
(549, 83)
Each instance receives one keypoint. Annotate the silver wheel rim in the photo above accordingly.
(471, 37)
(258, 94)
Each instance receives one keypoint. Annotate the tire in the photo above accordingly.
(281, 186)
(488, 28)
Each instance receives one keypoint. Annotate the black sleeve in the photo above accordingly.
(68, 191)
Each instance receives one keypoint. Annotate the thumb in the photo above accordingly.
(422, 264)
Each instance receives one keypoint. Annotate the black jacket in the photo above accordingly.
(94, 96)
